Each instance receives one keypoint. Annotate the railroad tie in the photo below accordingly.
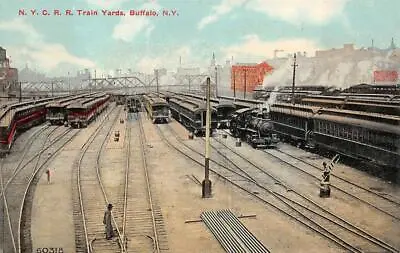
(231, 233)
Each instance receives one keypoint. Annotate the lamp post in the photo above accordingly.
(206, 184)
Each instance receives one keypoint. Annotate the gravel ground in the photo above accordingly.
(181, 200)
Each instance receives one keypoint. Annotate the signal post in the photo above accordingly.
(206, 184)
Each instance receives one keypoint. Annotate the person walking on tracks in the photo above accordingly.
(107, 222)
(48, 172)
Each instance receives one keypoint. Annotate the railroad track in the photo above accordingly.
(143, 224)
(370, 198)
(381, 203)
(90, 198)
(296, 206)
(19, 189)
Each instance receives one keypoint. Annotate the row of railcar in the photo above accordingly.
(82, 112)
(224, 109)
(18, 117)
(191, 113)
(157, 108)
(367, 136)
(57, 110)
(354, 104)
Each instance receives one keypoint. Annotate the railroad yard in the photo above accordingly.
(147, 158)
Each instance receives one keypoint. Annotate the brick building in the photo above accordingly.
(246, 77)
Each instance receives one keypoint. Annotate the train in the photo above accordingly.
(57, 111)
(369, 137)
(253, 126)
(157, 108)
(133, 104)
(224, 109)
(354, 103)
(81, 113)
(192, 114)
(17, 117)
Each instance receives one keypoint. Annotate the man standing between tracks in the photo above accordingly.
(48, 175)
(107, 222)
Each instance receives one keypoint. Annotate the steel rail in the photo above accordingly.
(361, 232)
(144, 163)
(334, 239)
(84, 149)
(16, 170)
(343, 179)
(31, 179)
(333, 186)
(128, 154)
(101, 183)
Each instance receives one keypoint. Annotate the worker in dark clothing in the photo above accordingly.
(48, 172)
(107, 222)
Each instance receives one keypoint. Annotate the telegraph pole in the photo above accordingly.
(245, 83)
(69, 85)
(95, 81)
(234, 85)
(216, 80)
(157, 82)
(294, 77)
(206, 184)
(20, 91)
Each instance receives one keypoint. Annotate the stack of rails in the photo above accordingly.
(192, 114)
(366, 136)
(157, 108)
(57, 111)
(81, 113)
(20, 116)
(243, 103)
(224, 109)
(354, 104)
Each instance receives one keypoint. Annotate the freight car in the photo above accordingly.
(224, 109)
(82, 113)
(191, 114)
(57, 111)
(18, 117)
(254, 127)
(157, 108)
(366, 136)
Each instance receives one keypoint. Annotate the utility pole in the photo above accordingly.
(216, 81)
(234, 85)
(245, 83)
(206, 184)
(52, 89)
(20, 91)
(294, 77)
(69, 85)
(190, 79)
(157, 82)
(95, 81)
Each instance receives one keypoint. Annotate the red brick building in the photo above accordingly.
(249, 76)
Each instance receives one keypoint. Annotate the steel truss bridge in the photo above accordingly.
(135, 83)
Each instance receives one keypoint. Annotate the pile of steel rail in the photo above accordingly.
(231, 233)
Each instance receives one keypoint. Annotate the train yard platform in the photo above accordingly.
(152, 175)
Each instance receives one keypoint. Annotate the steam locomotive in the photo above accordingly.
(254, 127)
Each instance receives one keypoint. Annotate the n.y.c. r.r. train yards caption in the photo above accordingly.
(103, 12)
